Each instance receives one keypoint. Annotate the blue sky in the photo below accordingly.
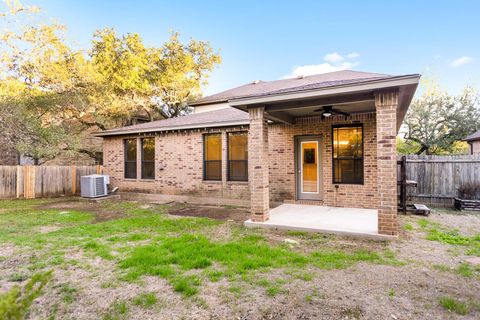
(268, 40)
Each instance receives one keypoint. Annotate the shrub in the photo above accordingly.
(15, 303)
(469, 191)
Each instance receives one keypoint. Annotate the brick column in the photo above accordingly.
(386, 105)
(258, 164)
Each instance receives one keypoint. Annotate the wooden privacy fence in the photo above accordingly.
(42, 181)
(439, 177)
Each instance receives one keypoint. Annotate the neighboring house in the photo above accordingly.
(326, 139)
(474, 142)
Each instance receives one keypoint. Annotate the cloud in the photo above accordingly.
(461, 61)
(333, 57)
(353, 55)
(310, 69)
(332, 62)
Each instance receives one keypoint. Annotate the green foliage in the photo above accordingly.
(186, 285)
(439, 233)
(454, 305)
(68, 292)
(118, 311)
(408, 227)
(391, 293)
(145, 300)
(436, 122)
(15, 303)
(51, 93)
(406, 147)
(467, 270)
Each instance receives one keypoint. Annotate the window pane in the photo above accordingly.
(131, 170)
(148, 145)
(213, 147)
(344, 171)
(347, 155)
(148, 170)
(238, 170)
(213, 157)
(348, 141)
(238, 156)
(131, 149)
(238, 146)
(358, 171)
(213, 170)
(359, 142)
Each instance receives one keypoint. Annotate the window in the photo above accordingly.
(212, 157)
(148, 158)
(130, 151)
(237, 156)
(348, 154)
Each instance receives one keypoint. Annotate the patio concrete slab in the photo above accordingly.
(343, 221)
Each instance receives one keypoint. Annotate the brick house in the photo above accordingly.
(474, 142)
(324, 140)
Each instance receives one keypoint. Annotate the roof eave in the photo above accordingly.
(184, 127)
(332, 90)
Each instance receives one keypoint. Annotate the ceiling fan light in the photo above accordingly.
(327, 113)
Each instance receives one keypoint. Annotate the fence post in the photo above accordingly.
(17, 191)
(74, 179)
(99, 169)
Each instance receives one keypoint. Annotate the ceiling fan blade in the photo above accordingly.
(318, 110)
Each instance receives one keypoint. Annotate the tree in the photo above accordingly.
(56, 92)
(160, 81)
(436, 121)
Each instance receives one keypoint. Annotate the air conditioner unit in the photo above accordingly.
(94, 185)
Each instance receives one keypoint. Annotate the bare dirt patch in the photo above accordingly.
(213, 212)
(102, 213)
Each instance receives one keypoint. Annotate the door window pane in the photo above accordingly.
(309, 166)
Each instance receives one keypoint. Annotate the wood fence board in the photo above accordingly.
(440, 177)
(42, 181)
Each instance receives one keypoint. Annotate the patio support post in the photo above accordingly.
(386, 105)
(258, 164)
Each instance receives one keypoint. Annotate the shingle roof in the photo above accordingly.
(215, 118)
(262, 88)
(232, 116)
(473, 136)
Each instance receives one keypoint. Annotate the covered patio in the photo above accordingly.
(326, 219)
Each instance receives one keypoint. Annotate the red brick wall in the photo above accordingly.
(282, 161)
(179, 164)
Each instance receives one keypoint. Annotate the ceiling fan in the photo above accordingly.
(328, 111)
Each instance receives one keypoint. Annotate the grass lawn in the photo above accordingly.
(122, 260)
